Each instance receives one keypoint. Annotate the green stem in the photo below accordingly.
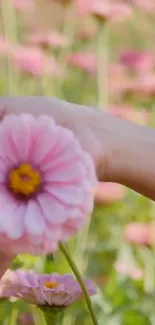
(9, 24)
(68, 30)
(102, 63)
(50, 315)
(74, 268)
(14, 316)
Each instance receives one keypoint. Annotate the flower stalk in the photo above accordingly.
(102, 65)
(50, 314)
(75, 270)
(9, 23)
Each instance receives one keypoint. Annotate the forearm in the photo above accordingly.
(131, 158)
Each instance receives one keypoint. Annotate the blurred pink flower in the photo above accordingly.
(127, 269)
(118, 79)
(53, 290)
(129, 113)
(48, 39)
(23, 4)
(32, 60)
(87, 32)
(143, 86)
(141, 62)
(107, 193)
(85, 61)
(111, 10)
(137, 233)
(83, 8)
(146, 6)
(47, 184)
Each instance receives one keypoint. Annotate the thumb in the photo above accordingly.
(5, 262)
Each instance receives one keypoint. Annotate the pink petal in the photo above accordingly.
(66, 149)
(21, 136)
(74, 172)
(53, 211)
(7, 152)
(32, 278)
(18, 134)
(72, 195)
(8, 207)
(44, 141)
(15, 225)
(3, 171)
(34, 221)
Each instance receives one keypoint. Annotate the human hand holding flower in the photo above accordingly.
(34, 154)
(123, 152)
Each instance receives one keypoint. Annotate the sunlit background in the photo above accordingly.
(100, 53)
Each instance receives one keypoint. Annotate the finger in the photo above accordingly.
(58, 109)
(5, 262)
(137, 233)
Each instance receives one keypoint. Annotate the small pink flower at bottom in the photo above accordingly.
(53, 290)
(47, 184)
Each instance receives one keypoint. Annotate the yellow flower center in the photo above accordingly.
(50, 284)
(24, 180)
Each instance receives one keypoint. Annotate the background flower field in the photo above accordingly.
(103, 55)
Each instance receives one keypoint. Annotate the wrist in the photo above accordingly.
(131, 159)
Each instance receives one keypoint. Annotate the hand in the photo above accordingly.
(82, 120)
(123, 152)
(5, 262)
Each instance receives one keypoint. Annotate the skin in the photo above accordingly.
(123, 152)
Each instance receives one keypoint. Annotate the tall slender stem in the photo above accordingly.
(74, 268)
(50, 315)
(10, 32)
(68, 30)
(102, 66)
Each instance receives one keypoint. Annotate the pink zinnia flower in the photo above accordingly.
(85, 61)
(111, 10)
(33, 61)
(147, 6)
(140, 62)
(52, 290)
(48, 39)
(118, 79)
(107, 193)
(127, 269)
(23, 4)
(83, 8)
(47, 184)
(87, 32)
(143, 86)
